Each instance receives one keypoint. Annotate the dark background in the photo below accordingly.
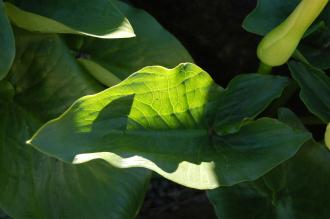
(212, 33)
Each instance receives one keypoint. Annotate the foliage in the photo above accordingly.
(87, 113)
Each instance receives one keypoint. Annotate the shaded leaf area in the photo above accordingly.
(297, 189)
(3, 215)
(7, 43)
(162, 119)
(327, 136)
(99, 18)
(242, 100)
(267, 15)
(270, 13)
(45, 79)
(153, 45)
(315, 88)
(316, 48)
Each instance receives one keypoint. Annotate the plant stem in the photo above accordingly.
(264, 68)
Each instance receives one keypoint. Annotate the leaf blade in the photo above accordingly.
(7, 43)
(33, 183)
(159, 119)
(99, 19)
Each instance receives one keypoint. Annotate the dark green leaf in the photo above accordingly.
(297, 189)
(162, 119)
(315, 88)
(288, 117)
(316, 48)
(98, 18)
(268, 14)
(245, 97)
(33, 185)
(153, 45)
(7, 43)
(327, 136)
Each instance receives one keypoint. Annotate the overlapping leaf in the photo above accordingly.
(162, 119)
(153, 45)
(298, 189)
(98, 18)
(7, 43)
(267, 15)
(239, 102)
(270, 13)
(45, 80)
(315, 88)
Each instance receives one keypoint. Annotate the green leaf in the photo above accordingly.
(153, 45)
(297, 189)
(97, 18)
(316, 49)
(33, 185)
(315, 88)
(234, 108)
(267, 15)
(288, 117)
(162, 119)
(270, 13)
(101, 74)
(7, 43)
(3, 215)
(327, 136)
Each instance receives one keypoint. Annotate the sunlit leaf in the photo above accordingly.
(44, 80)
(153, 45)
(97, 18)
(162, 119)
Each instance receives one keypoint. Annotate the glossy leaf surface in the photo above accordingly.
(315, 88)
(246, 97)
(162, 119)
(45, 79)
(98, 18)
(297, 189)
(153, 45)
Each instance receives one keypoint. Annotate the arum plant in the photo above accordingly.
(299, 187)
(278, 45)
(86, 118)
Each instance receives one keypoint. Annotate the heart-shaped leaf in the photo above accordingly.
(162, 119)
